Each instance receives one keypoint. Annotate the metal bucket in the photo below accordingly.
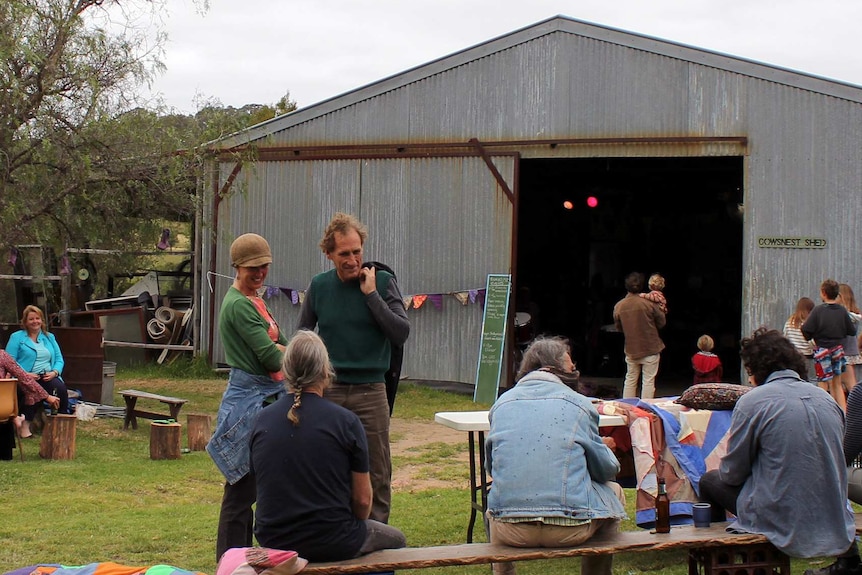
(109, 371)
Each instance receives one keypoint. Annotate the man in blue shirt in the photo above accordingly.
(786, 437)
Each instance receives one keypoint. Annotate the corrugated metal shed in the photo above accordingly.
(397, 153)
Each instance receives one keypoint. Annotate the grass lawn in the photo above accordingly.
(112, 503)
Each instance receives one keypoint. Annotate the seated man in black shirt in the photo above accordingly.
(310, 461)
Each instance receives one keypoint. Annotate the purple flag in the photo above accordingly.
(436, 299)
(65, 268)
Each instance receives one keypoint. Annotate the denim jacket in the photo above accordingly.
(243, 399)
(545, 455)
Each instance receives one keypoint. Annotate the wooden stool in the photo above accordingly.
(58, 437)
(199, 429)
(165, 440)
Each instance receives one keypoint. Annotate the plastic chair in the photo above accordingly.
(9, 409)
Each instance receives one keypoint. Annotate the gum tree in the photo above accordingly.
(81, 160)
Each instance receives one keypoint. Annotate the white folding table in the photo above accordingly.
(475, 423)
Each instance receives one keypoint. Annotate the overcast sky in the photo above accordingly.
(253, 51)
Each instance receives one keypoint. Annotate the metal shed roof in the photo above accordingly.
(556, 24)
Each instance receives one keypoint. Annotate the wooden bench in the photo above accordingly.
(682, 537)
(131, 396)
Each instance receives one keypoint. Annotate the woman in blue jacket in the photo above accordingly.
(36, 351)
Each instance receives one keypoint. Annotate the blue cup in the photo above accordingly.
(701, 513)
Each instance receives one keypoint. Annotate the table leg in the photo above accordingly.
(483, 484)
(175, 411)
(130, 413)
(471, 441)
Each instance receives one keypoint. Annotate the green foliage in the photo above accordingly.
(214, 120)
(84, 162)
(76, 164)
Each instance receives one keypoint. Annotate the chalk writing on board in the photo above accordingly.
(492, 345)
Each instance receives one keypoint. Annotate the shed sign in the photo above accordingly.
(786, 242)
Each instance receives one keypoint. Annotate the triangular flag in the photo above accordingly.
(301, 295)
(480, 296)
(294, 296)
(271, 292)
(473, 293)
(462, 297)
(407, 301)
(285, 291)
(418, 300)
(436, 299)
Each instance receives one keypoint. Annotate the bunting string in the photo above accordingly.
(415, 301)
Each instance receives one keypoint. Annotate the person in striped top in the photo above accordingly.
(794, 334)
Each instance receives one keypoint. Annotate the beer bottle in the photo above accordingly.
(662, 508)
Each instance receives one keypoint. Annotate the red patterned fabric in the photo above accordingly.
(33, 392)
(259, 561)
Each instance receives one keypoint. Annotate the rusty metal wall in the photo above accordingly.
(442, 224)
(800, 137)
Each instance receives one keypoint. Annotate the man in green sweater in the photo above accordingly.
(359, 313)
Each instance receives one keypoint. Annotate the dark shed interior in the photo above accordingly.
(584, 224)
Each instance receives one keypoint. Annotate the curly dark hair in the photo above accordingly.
(768, 351)
(634, 282)
(342, 223)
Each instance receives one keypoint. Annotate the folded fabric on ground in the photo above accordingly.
(260, 561)
(673, 442)
(106, 568)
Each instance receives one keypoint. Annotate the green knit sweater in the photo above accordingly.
(357, 347)
(243, 334)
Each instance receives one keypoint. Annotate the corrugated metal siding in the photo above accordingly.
(804, 178)
(444, 224)
(439, 234)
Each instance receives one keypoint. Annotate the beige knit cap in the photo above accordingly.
(250, 251)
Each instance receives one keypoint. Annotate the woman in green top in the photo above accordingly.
(253, 346)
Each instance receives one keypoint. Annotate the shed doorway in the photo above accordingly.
(584, 224)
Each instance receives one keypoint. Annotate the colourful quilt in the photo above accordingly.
(100, 569)
(239, 561)
(673, 442)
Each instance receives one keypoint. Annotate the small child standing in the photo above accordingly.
(655, 295)
(707, 365)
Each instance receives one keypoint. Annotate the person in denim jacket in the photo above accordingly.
(552, 472)
(254, 347)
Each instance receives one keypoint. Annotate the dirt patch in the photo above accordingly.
(427, 456)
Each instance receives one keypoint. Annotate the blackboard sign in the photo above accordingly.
(491, 348)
